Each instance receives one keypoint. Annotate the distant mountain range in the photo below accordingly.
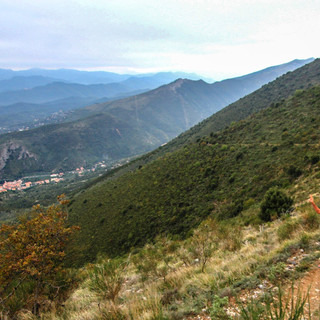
(60, 90)
(13, 80)
(127, 127)
(26, 94)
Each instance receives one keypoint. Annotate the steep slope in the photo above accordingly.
(152, 118)
(219, 174)
(273, 92)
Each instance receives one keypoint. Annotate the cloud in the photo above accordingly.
(212, 36)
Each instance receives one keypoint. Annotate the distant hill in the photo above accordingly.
(60, 90)
(92, 77)
(219, 174)
(122, 128)
(23, 114)
(69, 75)
(23, 83)
(39, 89)
(31, 94)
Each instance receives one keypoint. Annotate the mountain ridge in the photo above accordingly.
(152, 118)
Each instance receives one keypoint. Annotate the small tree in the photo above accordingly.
(32, 251)
(155, 260)
(275, 203)
(204, 242)
(107, 278)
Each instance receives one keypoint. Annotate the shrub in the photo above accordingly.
(231, 210)
(31, 257)
(154, 260)
(248, 203)
(275, 203)
(107, 278)
(311, 220)
(294, 172)
(230, 238)
(277, 272)
(305, 240)
(285, 230)
(218, 308)
(204, 242)
(314, 159)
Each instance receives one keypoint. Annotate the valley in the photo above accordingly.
(214, 224)
(159, 160)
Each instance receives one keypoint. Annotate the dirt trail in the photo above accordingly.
(310, 282)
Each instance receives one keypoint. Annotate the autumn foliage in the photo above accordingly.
(32, 251)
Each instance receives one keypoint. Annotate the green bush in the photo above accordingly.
(218, 308)
(285, 230)
(107, 278)
(275, 203)
(311, 220)
(294, 172)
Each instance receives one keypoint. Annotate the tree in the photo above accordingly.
(155, 259)
(275, 203)
(107, 278)
(32, 250)
(204, 242)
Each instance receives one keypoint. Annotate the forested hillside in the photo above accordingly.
(219, 175)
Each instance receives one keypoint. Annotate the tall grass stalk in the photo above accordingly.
(279, 308)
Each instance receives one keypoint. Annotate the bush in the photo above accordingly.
(311, 220)
(286, 230)
(294, 172)
(275, 203)
(107, 278)
(31, 258)
(218, 308)
(314, 159)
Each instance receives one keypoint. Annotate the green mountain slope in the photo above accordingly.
(125, 127)
(273, 92)
(218, 174)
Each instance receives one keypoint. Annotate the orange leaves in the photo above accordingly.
(35, 246)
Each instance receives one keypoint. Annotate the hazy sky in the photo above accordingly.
(216, 38)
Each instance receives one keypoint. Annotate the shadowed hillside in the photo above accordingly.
(216, 175)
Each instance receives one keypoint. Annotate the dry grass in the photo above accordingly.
(142, 300)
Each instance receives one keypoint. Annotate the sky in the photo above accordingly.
(215, 38)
